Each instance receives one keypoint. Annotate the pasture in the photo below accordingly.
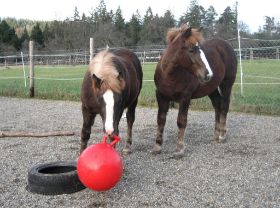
(261, 87)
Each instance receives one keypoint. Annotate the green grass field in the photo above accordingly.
(257, 97)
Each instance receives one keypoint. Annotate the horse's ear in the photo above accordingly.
(96, 81)
(187, 33)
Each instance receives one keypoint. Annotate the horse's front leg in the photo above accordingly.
(130, 117)
(88, 120)
(163, 107)
(182, 124)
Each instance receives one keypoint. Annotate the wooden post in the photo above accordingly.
(277, 54)
(91, 48)
(31, 69)
(251, 54)
(85, 58)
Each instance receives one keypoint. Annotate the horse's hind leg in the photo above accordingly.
(88, 120)
(163, 107)
(220, 101)
(130, 117)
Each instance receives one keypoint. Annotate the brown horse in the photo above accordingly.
(111, 84)
(189, 69)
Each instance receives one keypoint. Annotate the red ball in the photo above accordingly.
(100, 166)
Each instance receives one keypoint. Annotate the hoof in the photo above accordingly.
(179, 153)
(221, 139)
(156, 150)
(126, 151)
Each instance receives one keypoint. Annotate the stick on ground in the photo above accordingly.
(36, 134)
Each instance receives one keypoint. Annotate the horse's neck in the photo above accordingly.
(167, 67)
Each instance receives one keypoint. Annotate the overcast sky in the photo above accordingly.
(251, 12)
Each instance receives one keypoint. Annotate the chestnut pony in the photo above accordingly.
(191, 68)
(111, 84)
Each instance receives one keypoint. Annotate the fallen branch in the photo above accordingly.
(36, 134)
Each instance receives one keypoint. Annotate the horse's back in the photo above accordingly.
(129, 66)
(132, 73)
(129, 58)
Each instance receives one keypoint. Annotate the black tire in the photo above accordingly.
(54, 178)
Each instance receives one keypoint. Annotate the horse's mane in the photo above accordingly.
(103, 67)
(174, 33)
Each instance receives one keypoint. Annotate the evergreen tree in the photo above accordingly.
(37, 35)
(103, 15)
(168, 19)
(6, 33)
(119, 20)
(47, 35)
(194, 15)
(209, 22)
(227, 24)
(269, 26)
(24, 39)
(24, 35)
(84, 18)
(134, 28)
(76, 14)
(15, 41)
(147, 28)
(8, 36)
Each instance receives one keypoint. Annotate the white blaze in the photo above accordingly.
(109, 101)
(203, 57)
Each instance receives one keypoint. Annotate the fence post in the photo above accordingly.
(91, 48)
(251, 54)
(277, 54)
(85, 57)
(31, 69)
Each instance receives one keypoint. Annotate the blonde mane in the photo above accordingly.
(102, 66)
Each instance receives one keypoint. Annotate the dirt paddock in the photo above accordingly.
(243, 172)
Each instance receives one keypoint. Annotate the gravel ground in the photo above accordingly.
(243, 172)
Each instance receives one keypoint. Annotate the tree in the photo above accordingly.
(37, 35)
(6, 33)
(194, 15)
(269, 26)
(84, 18)
(168, 19)
(24, 39)
(147, 29)
(134, 28)
(25, 35)
(8, 36)
(15, 41)
(119, 20)
(227, 24)
(76, 14)
(102, 14)
(47, 35)
(209, 22)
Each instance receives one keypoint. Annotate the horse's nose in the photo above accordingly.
(208, 77)
(109, 131)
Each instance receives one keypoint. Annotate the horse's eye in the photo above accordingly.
(194, 49)
(191, 50)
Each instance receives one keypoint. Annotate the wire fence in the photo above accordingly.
(251, 49)
(260, 79)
